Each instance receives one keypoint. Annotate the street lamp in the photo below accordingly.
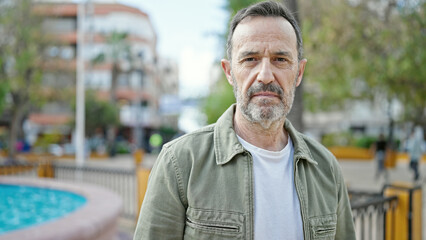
(80, 88)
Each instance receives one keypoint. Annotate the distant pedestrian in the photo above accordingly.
(380, 154)
(415, 150)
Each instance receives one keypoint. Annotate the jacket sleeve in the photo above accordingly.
(345, 226)
(163, 213)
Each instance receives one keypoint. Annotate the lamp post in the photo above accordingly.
(80, 89)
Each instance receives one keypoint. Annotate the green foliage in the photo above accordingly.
(167, 133)
(365, 141)
(122, 147)
(232, 6)
(118, 49)
(356, 51)
(21, 51)
(347, 139)
(4, 89)
(351, 139)
(22, 46)
(98, 113)
(337, 139)
(45, 140)
(220, 98)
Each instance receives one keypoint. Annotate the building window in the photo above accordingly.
(67, 53)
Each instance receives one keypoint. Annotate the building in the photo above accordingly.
(119, 47)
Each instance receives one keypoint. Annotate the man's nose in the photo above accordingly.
(265, 73)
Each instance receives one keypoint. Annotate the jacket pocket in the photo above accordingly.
(213, 224)
(323, 227)
(216, 227)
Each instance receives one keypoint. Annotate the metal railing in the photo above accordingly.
(369, 211)
(21, 170)
(121, 181)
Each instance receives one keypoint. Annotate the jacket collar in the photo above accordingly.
(226, 144)
(301, 150)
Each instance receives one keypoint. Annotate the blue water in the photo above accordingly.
(24, 206)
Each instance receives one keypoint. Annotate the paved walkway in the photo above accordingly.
(359, 175)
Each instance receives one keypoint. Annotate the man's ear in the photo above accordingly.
(226, 66)
(302, 64)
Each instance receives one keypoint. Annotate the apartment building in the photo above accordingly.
(132, 61)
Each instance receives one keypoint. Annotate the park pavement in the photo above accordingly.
(360, 175)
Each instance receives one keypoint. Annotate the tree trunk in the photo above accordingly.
(15, 128)
(114, 80)
(296, 114)
(111, 130)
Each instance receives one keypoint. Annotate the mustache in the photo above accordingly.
(261, 87)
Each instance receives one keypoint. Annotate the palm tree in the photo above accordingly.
(118, 51)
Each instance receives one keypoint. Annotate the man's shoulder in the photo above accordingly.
(318, 151)
(192, 139)
(309, 147)
(188, 150)
(326, 161)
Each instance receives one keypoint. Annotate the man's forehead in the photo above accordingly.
(258, 30)
(249, 18)
(254, 21)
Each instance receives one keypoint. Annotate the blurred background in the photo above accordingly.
(114, 80)
(153, 67)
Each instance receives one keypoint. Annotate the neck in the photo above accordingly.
(273, 138)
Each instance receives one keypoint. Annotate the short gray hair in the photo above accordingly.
(264, 9)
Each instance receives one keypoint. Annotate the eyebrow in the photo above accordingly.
(283, 53)
(247, 53)
(251, 53)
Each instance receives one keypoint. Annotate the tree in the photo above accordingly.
(118, 52)
(366, 50)
(4, 89)
(99, 113)
(220, 98)
(21, 55)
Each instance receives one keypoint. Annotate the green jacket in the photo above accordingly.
(201, 187)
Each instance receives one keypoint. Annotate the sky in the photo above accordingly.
(188, 32)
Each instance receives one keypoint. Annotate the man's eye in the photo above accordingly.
(281, 59)
(250, 59)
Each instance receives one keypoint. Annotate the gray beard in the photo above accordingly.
(264, 113)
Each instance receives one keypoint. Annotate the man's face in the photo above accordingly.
(264, 70)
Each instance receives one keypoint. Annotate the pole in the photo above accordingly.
(296, 113)
(80, 88)
(137, 132)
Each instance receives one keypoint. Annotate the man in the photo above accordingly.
(251, 175)
(379, 148)
(415, 150)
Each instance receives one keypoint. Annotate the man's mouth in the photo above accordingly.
(265, 94)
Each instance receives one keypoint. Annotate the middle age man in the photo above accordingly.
(251, 175)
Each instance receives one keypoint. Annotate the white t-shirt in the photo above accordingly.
(276, 204)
